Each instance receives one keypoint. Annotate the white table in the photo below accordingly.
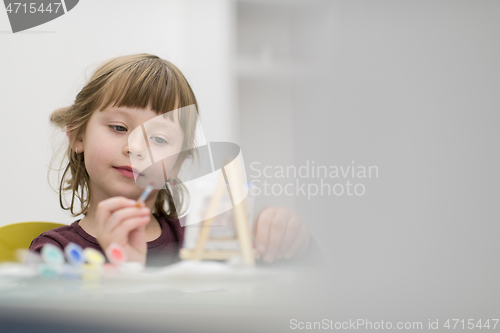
(184, 297)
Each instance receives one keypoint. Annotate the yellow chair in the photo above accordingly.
(19, 236)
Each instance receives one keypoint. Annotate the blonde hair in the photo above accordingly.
(135, 81)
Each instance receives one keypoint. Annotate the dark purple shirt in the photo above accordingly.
(162, 251)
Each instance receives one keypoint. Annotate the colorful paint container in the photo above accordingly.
(94, 257)
(91, 271)
(47, 271)
(116, 254)
(74, 254)
(70, 272)
(52, 255)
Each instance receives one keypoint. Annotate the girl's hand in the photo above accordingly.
(280, 234)
(120, 221)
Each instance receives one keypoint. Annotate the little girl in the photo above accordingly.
(123, 94)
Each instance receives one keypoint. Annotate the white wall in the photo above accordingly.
(44, 68)
(411, 87)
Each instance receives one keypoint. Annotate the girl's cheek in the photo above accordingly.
(163, 153)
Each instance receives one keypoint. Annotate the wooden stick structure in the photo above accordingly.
(207, 224)
(233, 175)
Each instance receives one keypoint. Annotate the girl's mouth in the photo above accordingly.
(128, 172)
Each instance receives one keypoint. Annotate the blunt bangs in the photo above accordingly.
(147, 83)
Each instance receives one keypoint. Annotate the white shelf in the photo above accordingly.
(273, 54)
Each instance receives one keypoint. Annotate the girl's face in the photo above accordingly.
(113, 156)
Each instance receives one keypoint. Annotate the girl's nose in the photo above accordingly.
(136, 152)
(136, 147)
(132, 154)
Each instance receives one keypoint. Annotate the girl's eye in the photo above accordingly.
(159, 140)
(118, 128)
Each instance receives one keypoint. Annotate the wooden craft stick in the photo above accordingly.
(207, 224)
(233, 174)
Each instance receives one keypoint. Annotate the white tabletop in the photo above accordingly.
(187, 296)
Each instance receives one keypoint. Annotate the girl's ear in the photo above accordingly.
(76, 142)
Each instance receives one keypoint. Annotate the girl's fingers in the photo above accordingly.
(263, 228)
(277, 232)
(121, 232)
(120, 221)
(106, 207)
(292, 230)
(137, 239)
(120, 215)
(301, 240)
